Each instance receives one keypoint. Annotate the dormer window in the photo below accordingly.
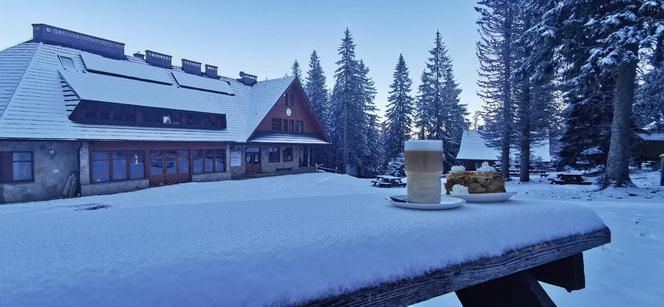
(67, 63)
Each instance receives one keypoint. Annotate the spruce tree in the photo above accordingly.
(347, 116)
(496, 56)
(649, 104)
(316, 90)
(399, 121)
(372, 154)
(295, 69)
(440, 115)
(533, 86)
(613, 33)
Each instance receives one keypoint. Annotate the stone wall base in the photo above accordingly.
(114, 187)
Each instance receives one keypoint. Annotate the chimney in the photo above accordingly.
(191, 67)
(247, 79)
(211, 71)
(62, 37)
(139, 55)
(158, 59)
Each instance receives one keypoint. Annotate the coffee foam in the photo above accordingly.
(423, 145)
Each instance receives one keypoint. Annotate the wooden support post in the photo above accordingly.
(519, 289)
(566, 273)
(661, 170)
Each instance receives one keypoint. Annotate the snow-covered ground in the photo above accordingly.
(630, 270)
(627, 272)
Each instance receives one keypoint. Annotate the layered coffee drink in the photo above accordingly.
(424, 164)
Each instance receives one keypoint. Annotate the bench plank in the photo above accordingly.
(457, 277)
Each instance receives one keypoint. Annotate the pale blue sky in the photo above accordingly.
(264, 37)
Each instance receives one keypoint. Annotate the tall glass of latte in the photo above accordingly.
(424, 164)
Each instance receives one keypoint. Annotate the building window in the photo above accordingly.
(273, 154)
(101, 166)
(117, 165)
(219, 160)
(67, 63)
(126, 114)
(291, 126)
(288, 154)
(276, 124)
(16, 166)
(299, 126)
(120, 166)
(183, 161)
(198, 161)
(171, 162)
(114, 114)
(286, 98)
(209, 161)
(136, 165)
(286, 125)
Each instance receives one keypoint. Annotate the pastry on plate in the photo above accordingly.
(485, 180)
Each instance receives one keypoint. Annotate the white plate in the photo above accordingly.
(485, 197)
(446, 202)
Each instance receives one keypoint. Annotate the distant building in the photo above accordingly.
(473, 151)
(652, 146)
(78, 115)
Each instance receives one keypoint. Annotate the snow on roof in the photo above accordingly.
(284, 138)
(13, 63)
(473, 147)
(263, 96)
(97, 87)
(657, 137)
(32, 104)
(202, 83)
(101, 64)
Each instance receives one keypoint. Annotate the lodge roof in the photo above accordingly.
(32, 104)
(473, 147)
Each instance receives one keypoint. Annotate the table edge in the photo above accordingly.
(438, 282)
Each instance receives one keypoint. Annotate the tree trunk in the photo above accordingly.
(507, 90)
(525, 113)
(524, 144)
(345, 137)
(617, 164)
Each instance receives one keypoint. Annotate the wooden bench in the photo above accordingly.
(386, 181)
(569, 179)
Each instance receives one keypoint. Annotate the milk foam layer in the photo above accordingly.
(423, 145)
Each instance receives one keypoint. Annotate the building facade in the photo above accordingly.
(474, 150)
(79, 117)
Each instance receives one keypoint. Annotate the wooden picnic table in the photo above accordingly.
(510, 279)
(387, 181)
(337, 249)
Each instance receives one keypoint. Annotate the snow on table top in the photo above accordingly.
(329, 234)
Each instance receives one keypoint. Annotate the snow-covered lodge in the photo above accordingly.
(78, 115)
(473, 151)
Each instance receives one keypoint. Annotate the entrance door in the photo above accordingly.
(169, 166)
(304, 156)
(253, 159)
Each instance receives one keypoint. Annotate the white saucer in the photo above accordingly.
(446, 202)
(485, 197)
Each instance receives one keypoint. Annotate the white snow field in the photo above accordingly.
(630, 270)
(283, 239)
